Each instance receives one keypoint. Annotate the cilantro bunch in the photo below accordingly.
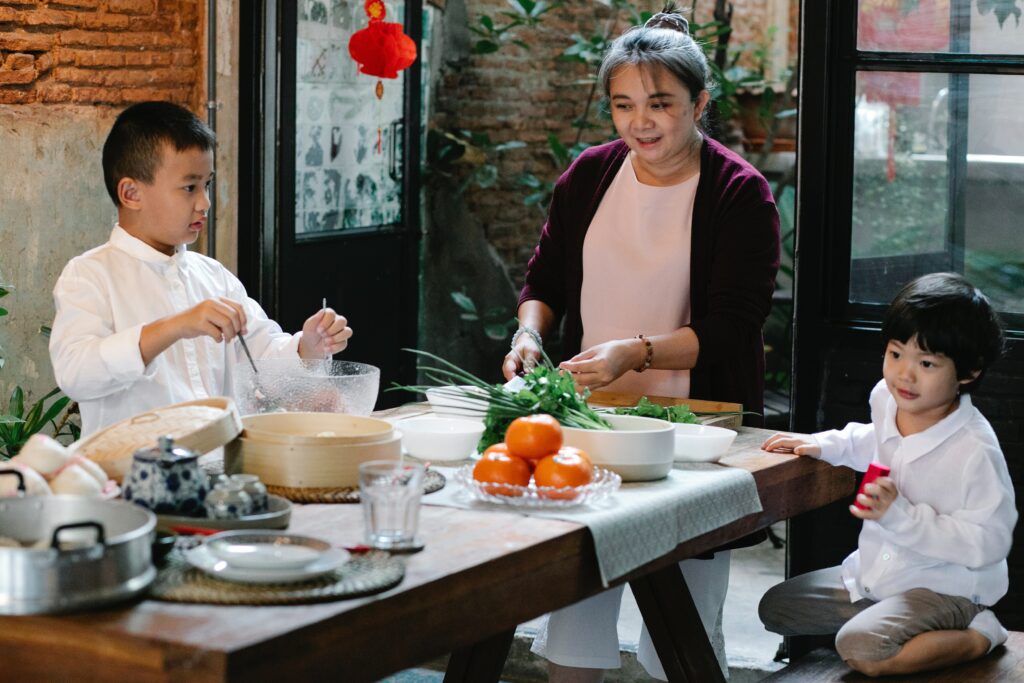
(546, 389)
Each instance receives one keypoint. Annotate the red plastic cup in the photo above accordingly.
(875, 470)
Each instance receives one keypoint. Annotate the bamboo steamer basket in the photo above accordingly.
(201, 426)
(310, 450)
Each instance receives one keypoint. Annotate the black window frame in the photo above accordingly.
(829, 29)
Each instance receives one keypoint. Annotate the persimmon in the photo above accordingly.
(500, 472)
(534, 436)
(566, 469)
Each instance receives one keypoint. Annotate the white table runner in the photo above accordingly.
(641, 521)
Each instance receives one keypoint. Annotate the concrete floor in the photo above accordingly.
(749, 648)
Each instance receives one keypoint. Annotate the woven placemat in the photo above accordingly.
(365, 574)
(432, 481)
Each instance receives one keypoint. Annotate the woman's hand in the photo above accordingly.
(522, 358)
(599, 365)
(876, 499)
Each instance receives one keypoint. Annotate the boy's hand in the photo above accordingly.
(876, 499)
(787, 443)
(220, 318)
(324, 333)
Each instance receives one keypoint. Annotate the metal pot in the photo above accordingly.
(98, 553)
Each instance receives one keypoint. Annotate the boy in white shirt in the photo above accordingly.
(931, 555)
(142, 322)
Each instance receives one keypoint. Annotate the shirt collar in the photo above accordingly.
(916, 445)
(133, 246)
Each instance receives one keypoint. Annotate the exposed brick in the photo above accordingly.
(98, 58)
(103, 22)
(122, 77)
(179, 95)
(47, 18)
(77, 38)
(8, 15)
(12, 96)
(95, 96)
(76, 4)
(132, 6)
(45, 62)
(25, 42)
(184, 58)
(54, 93)
(162, 23)
(141, 58)
(19, 60)
(19, 77)
(142, 40)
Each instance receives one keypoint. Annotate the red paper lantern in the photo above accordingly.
(381, 49)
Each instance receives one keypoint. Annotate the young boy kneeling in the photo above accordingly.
(141, 322)
(931, 555)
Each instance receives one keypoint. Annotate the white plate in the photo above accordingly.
(201, 558)
(265, 555)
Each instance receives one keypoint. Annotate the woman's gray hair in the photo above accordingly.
(663, 41)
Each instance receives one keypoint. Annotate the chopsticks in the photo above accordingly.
(245, 347)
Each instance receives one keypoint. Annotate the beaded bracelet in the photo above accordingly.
(534, 334)
(650, 353)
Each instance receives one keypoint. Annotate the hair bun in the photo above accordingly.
(669, 20)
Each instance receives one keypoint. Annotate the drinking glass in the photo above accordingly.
(390, 491)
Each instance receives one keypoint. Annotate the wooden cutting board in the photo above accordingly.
(617, 399)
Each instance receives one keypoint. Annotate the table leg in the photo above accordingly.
(675, 627)
(481, 662)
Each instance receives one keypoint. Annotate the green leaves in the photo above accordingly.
(546, 390)
(17, 425)
(498, 322)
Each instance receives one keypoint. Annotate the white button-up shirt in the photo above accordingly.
(951, 526)
(103, 299)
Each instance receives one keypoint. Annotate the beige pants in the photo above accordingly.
(817, 603)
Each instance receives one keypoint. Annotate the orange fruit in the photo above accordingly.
(534, 436)
(499, 472)
(578, 451)
(566, 469)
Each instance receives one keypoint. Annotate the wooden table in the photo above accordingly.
(481, 574)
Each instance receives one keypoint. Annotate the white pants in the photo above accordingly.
(585, 635)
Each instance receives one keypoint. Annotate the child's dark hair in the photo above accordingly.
(949, 316)
(132, 149)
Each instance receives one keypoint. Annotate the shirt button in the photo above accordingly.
(886, 556)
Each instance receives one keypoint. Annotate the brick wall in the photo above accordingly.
(519, 94)
(101, 52)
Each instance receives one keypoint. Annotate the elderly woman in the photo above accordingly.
(660, 251)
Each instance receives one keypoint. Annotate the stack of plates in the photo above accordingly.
(310, 450)
(265, 557)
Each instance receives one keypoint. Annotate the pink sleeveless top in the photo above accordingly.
(636, 272)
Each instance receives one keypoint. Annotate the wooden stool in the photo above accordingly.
(1004, 664)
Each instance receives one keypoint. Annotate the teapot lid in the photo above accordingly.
(165, 451)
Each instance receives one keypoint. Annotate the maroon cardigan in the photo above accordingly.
(734, 256)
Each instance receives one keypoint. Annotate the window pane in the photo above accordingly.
(904, 220)
(348, 143)
(992, 27)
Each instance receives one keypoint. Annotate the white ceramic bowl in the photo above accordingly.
(452, 400)
(637, 448)
(437, 438)
(702, 443)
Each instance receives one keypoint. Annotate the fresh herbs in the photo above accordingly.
(546, 389)
(645, 408)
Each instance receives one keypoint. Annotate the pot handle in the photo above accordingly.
(19, 475)
(100, 535)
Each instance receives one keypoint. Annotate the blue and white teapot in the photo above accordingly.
(168, 480)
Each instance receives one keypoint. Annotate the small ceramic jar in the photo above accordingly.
(228, 500)
(252, 485)
(167, 479)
